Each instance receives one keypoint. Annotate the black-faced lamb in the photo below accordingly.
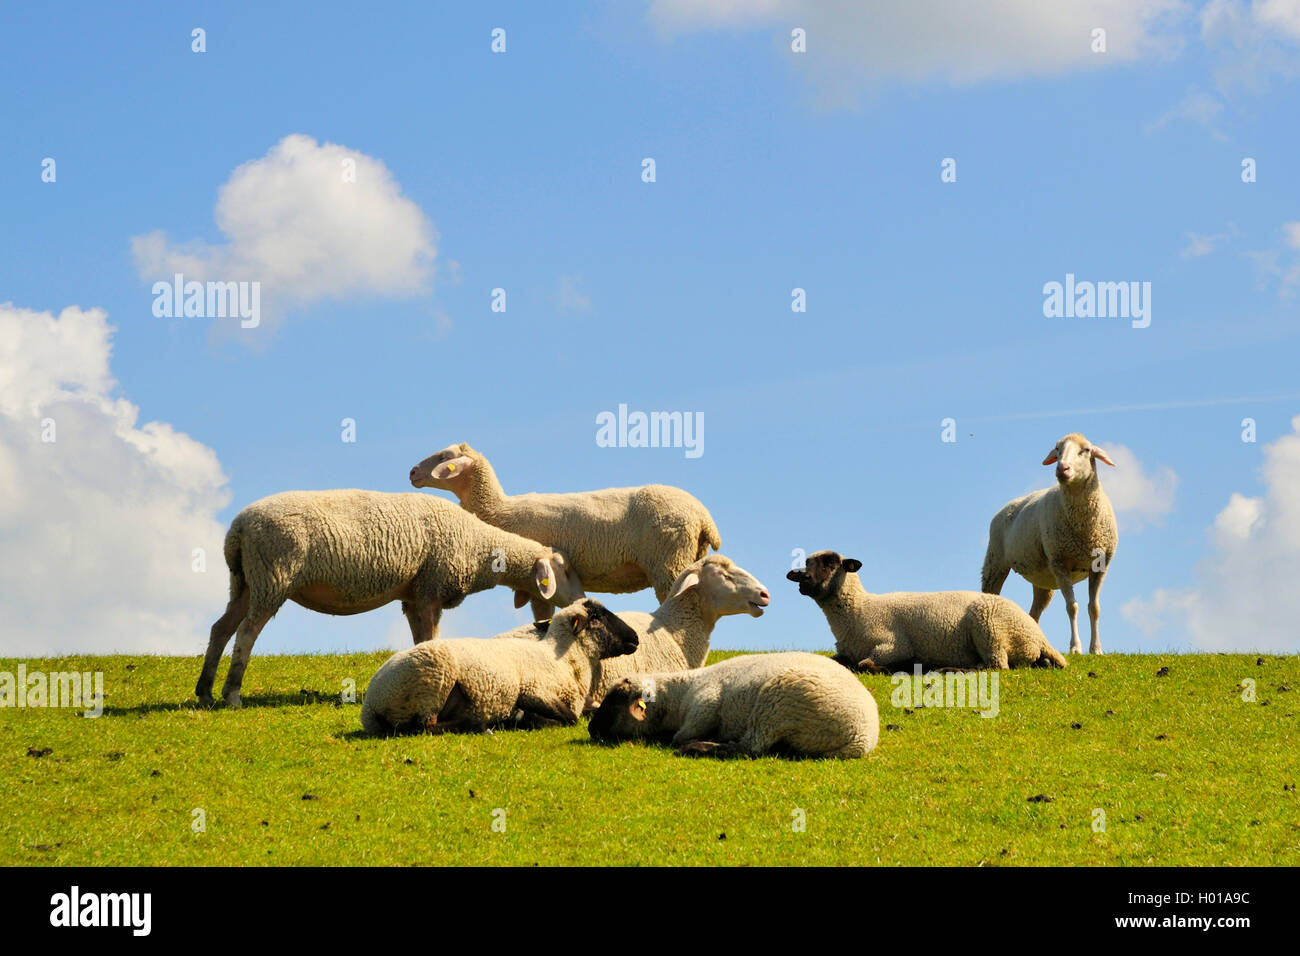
(788, 703)
(935, 629)
(469, 684)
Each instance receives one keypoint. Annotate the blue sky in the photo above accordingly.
(774, 170)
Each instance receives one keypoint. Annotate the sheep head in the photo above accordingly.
(597, 630)
(452, 469)
(724, 586)
(1075, 458)
(823, 574)
(555, 582)
(628, 710)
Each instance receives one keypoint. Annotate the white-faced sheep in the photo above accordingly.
(676, 636)
(935, 629)
(1058, 536)
(617, 540)
(468, 684)
(344, 552)
(790, 703)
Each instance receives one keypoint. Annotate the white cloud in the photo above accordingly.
(1196, 107)
(98, 525)
(1199, 244)
(852, 45)
(569, 297)
(294, 222)
(1139, 497)
(1245, 596)
(1282, 264)
(1251, 42)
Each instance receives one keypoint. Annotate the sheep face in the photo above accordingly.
(627, 711)
(725, 586)
(555, 582)
(596, 628)
(451, 469)
(823, 573)
(1075, 458)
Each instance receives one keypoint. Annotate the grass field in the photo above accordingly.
(1185, 770)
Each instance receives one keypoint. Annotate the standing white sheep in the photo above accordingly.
(1058, 536)
(468, 684)
(792, 703)
(617, 540)
(345, 552)
(932, 628)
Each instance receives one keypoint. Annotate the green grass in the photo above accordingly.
(946, 787)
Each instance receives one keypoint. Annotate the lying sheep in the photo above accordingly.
(468, 684)
(936, 629)
(792, 703)
(617, 540)
(344, 552)
(1058, 536)
(676, 636)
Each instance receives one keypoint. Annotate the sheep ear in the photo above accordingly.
(637, 709)
(521, 598)
(579, 622)
(852, 565)
(690, 581)
(795, 575)
(452, 468)
(1100, 455)
(1051, 458)
(544, 575)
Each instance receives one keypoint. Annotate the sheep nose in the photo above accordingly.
(764, 598)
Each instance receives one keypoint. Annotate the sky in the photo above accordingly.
(652, 190)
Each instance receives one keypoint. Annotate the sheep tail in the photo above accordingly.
(235, 560)
(990, 572)
(708, 537)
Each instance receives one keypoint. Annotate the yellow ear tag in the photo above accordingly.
(546, 582)
(450, 466)
(641, 703)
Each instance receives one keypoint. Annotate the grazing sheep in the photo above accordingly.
(936, 629)
(344, 552)
(468, 684)
(617, 540)
(1057, 536)
(792, 703)
(676, 636)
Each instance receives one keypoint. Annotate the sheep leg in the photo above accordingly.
(1094, 608)
(709, 748)
(422, 618)
(249, 628)
(1042, 598)
(1066, 587)
(222, 631)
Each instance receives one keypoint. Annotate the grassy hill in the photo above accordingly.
(1185, 771)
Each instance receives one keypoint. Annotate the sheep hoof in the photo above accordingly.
(233, 701)
(205, 700)
(1095, 649)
